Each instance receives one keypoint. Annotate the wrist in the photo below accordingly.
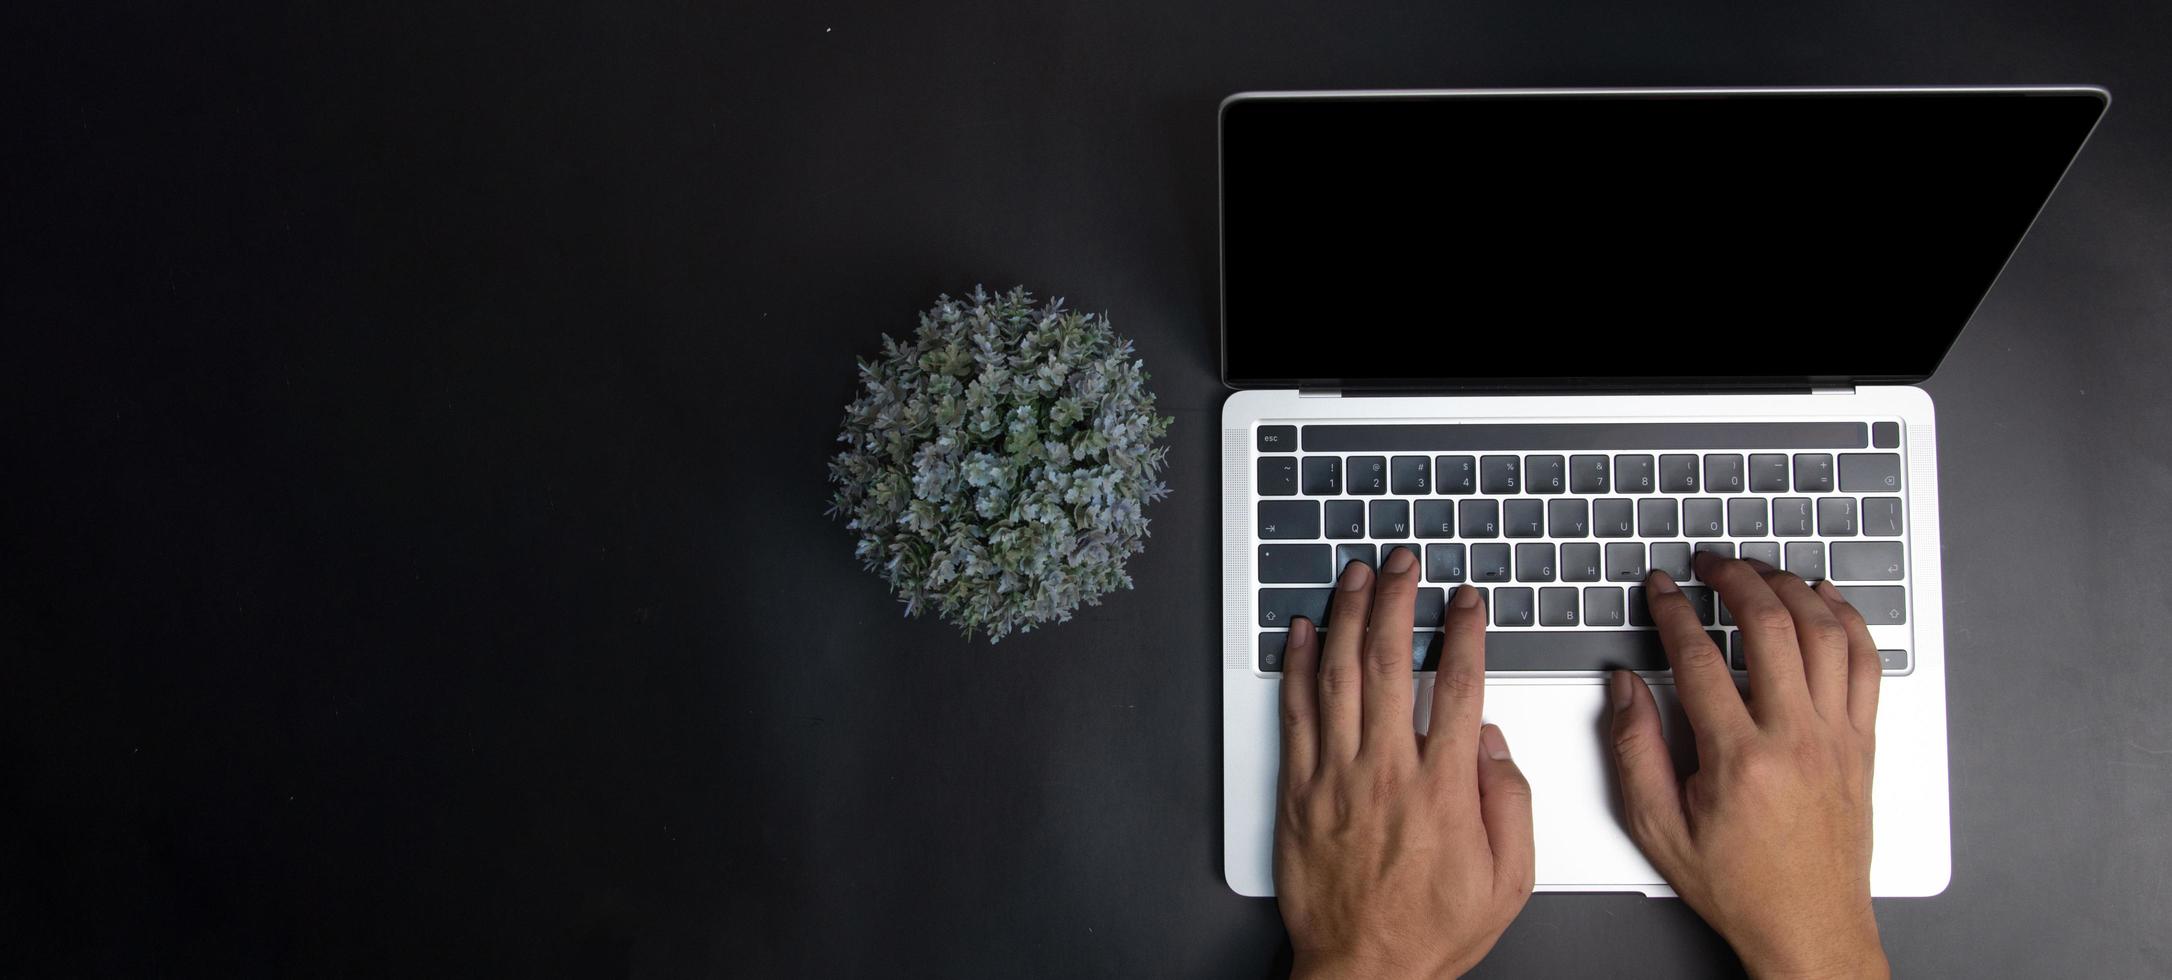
(1339, 965)
(1856, 954)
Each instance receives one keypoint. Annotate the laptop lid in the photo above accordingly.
(1624, 239)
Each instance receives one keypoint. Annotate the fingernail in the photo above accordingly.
(1301, 632)
(1617, 685)
(1496, 746)
(1829, 591)
(1355, 576)
(1399, 561)
(1465, 597)
(1761, 567)
(1661, 583)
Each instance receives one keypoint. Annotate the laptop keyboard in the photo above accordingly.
(1557, 524)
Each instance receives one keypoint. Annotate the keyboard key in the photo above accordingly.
(1580, 563)
(1791, 517)
(1270, 651)
(1836, 517)
(1625, 561)
(1568, 518)
(1813, 472)
(1678, 473)
(1672, 557)
(1389, 549)
(1534, 562)
(1425, 650)
(1613, 517)
(1368, 475)
(1870, 472)
(1479, 519)
(1427, 613)
(1411, 476)
(1764, 551)
(1388, 519)
(1867, 561)
(1578, 650)
(1701, 518)
(1277, 607)
(1278, 438)
(1723, 473)
(1285, 519)
(1366, 554)
(1885, 435)
(1523, 518)
(1346, 518)
(1489, 563)
(1657, 518)
(1700, 599)
(1444, 563)
(1882, 517)
(1323, 476)
(1734, 645)
(1806, 559)
(1587, 474)
(1895, 661)
(1435, 518)
(1545, 474)
(1633, 474)
(1640, 609)
(1768, 473)
(1557, 607)
(1498, 474)
(1457, 474)
(1293, 563)
(1602, 606)
(1277, 476)
(1724, 549)
(1746, 517)
(1512, 607)
(1881, 605)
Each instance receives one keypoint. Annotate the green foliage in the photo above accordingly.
(1000, 462)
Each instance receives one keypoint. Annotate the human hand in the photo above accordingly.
(1396, 854)
(1770, 839)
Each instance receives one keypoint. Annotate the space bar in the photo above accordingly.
(1577, 649)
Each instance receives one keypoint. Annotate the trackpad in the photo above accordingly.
(1559, 735)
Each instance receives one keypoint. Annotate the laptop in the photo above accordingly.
(1551, 339)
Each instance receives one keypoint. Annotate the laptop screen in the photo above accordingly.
(1499, 240)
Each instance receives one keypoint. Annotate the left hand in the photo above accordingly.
(1396, 854)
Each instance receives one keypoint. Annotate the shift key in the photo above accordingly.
(1881, 605)
(1279, 607)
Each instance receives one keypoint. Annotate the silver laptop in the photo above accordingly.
(1549, 340)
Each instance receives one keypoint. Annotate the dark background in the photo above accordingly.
(412, 556)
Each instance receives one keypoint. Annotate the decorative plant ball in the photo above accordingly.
(1000, 462)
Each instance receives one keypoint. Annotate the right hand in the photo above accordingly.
(1769, 840)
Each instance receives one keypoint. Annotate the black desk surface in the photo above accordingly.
(413, 555)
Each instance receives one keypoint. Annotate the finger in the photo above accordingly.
(1701, 677)
(1387, 686)
(1504, 802)
(1459, 686)
(1300, 705)
(1651, 790)
(1340, 671)
(1824, 643)
(1865, 670)
(1768, 632)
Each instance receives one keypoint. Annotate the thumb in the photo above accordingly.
(1504, 802)
(1651, 791)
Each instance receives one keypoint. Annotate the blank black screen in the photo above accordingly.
(1762, 238)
